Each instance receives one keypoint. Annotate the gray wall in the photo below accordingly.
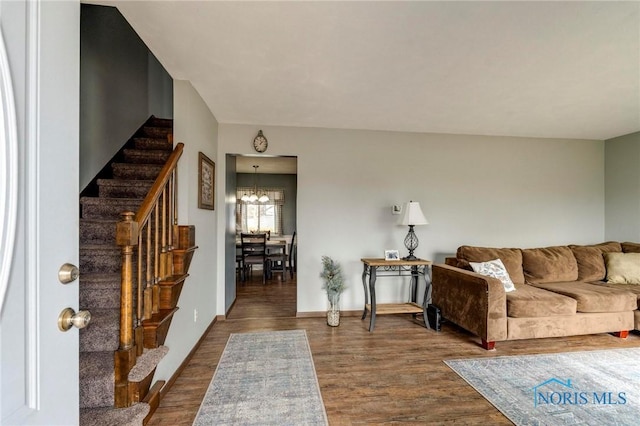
(290, 185)
(622, 188)
(121, 85)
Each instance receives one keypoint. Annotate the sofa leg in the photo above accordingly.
(621, 334)
(488, 345)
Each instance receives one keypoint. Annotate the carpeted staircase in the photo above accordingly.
(120, 187)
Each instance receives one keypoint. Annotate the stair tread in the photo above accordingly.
(99, 220)
(138, 165)
(162, 316)
(110, 416)
(102, 247)
(162, 144)
(142, 151)
(99, 276)
(147, 362)
(138, 182)
(173, 279)
(112, 200)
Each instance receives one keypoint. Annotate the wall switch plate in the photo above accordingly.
(396, 209)
(195, 315)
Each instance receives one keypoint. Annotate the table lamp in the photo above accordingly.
(412, 216)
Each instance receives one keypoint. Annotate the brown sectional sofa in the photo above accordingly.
(560, 291)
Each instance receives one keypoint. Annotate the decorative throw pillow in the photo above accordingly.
(495, 269)
(623, 268)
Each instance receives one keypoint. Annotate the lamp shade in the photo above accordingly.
(413, 215)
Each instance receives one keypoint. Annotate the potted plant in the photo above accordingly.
(334, 286)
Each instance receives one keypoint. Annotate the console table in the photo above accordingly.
(374, 267)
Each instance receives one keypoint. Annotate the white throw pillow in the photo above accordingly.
(495, 269)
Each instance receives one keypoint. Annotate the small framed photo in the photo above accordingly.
(391, 255)
(206, 182)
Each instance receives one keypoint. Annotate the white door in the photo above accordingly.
(39, 363)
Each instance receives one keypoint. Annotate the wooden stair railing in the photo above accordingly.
(148, 236)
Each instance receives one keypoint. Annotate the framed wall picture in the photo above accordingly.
(391, 255)
(206, 182)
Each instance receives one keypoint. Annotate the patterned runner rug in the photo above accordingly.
(573, 388)
(265, 378)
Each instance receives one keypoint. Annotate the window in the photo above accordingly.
(260, 217)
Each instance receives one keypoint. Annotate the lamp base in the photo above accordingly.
(411, 243)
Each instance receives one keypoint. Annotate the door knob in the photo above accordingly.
(68, 273)
(69, 318)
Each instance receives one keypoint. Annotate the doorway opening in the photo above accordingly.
(266, 203)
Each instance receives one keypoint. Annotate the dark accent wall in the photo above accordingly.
(290, 185)
(121, 85)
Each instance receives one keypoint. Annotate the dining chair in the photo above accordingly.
(239, 265)
(293, 254)
(277, 258)
(254, 252)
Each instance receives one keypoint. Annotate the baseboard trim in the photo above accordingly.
(184, 363)
(322, 314)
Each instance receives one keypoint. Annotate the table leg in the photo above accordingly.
(414, 284)
(427, 288)
(372, 290)
(284, 265)
(427, 296)
(366, 290)
(413, 287)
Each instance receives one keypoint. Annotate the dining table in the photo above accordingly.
(275, 248)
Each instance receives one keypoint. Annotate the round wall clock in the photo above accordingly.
(260, 142)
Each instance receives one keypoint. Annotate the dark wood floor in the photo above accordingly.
(393, 375)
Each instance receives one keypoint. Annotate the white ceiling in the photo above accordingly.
(542, 69)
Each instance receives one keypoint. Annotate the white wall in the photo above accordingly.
(197, 128)
(493, 191)
(622, 191)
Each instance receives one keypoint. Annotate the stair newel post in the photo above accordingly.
(125, 356)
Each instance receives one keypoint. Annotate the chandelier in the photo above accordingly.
(253, 197)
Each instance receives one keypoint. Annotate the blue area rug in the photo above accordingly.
(573, 388)
(264, 378)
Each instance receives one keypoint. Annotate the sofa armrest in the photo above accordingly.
(475, 302)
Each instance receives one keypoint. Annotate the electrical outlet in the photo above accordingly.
(195, 315)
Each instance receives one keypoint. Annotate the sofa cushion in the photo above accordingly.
(590, 259)
(495, 269)
(549, 264)
(623, 268)
(630, 247)
(594, 297)
(511, 258)
(529, 302)
(635, 289)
